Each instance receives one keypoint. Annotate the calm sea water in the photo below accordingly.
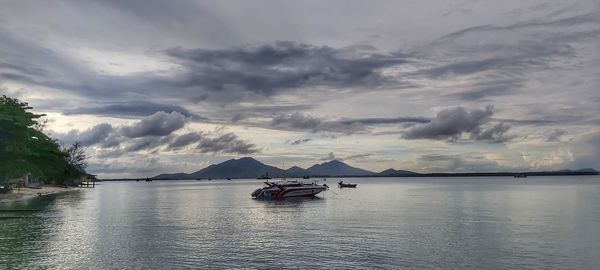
(393, 223)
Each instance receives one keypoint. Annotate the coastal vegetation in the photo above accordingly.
(26, 149)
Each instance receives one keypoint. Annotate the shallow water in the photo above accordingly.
(387, 223)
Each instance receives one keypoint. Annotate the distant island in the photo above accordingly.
(248, 167)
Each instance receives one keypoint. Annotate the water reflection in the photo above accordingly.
(412, 223)
(292, 202)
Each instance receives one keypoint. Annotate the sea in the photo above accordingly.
(384, 223)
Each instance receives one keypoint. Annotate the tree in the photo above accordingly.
(75, 161)
(24, 148)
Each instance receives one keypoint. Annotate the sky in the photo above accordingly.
(154, 86)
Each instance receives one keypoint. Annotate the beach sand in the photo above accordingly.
(29, 193)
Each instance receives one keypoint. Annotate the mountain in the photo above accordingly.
(248, 167)
(173, 176)
(586, 170)
(296, 171)
(336, 168)
(395, 173)
(590, 170)
(238, 168)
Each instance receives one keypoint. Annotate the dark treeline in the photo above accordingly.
(24, 148)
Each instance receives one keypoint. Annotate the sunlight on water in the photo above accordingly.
(476, 223)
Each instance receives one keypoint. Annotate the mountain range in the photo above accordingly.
(248, 167)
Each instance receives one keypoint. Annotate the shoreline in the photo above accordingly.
(29, 193)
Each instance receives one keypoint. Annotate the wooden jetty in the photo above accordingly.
(87, 181)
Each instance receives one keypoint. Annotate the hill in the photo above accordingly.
(296, 171)
(395, 173)
(336, 168)
(246, 167)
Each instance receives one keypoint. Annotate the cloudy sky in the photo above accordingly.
(431, 86)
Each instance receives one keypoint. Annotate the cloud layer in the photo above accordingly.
(169, 85)
(454, 123)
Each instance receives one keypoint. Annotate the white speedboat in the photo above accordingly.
(286, 189)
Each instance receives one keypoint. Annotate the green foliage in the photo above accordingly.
(75, 160)
(24, 148)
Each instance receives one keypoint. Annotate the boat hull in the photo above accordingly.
(278, 191)
(302, 192)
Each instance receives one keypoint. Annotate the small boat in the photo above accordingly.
(148, 180)
(264, 176)
(520, 175)
(306, 177)
(342, 185)
(288, 188)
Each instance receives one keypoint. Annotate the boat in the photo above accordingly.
(520, 175)
(306, 177)
(264, 176)
(288, 188)
(148, 180)
(341, 184)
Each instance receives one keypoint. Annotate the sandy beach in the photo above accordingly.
(29, 193)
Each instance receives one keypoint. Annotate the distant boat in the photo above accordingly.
(228, 178)
(264, 176)
(306, 177)
(520, 175)
(137, 180)
(148, 180)
(342, 185)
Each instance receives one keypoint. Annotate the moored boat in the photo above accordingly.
(286, 189)
(341, 184)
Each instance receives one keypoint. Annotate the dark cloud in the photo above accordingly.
(526, 122)
(481, 91)
(330, 156)
(226, 143)
(515, 61)
(494, 134)
(129, 109)
(237, 117)
(143, 143)
(579, 19)
(376, 121)
(299, 141)
(241, 112)
(283, 65)
(87, 137)
(158, 124)
(299, 121)
(185, 140)
(498, 60)
(358, 156)
(105, 137)
(555, 135)
(451, 124)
